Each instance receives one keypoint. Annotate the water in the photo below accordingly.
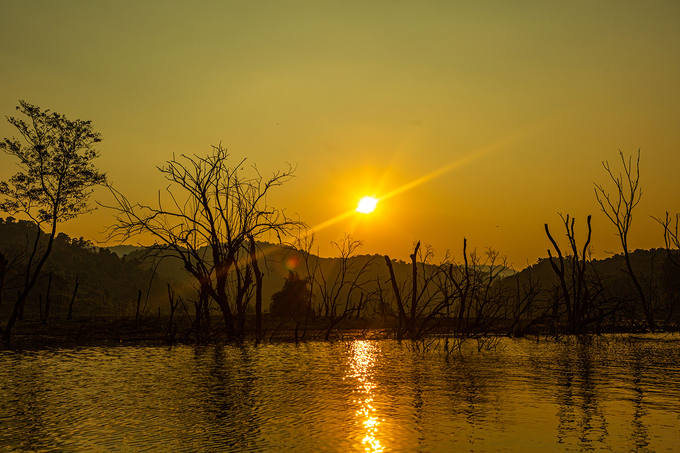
(612, 394)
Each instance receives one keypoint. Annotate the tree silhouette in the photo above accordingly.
(671, 235)
(343, 289)
(577, 300)
(619, 210)
(292, 300)
(212, 216)
(53, 185)
(582, 291)
(418, 299)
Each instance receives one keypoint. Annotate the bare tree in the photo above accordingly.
(338, 291)
(419, 300)
(575, 291)
(208, 220)
(670, 236)
(303, 247)
(55, 182)
(476, 289)
(258, 287)
(619, 210)
(671, 267)
(521, 309)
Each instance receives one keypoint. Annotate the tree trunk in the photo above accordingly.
(463, 294)
(198, 318)
(414, 292)
(73, 298)
(31, 278)
(206, 313)
(40, 310)
(397, 295)
(139, 301)
(173, 307)
(242, 300)
(47, 300)
(258, 290)
(646, 308)
(3, 270)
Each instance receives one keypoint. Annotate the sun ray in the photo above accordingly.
(453, 165)
(330, 222)
(423, 179)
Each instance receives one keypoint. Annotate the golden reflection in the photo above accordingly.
(361, 363)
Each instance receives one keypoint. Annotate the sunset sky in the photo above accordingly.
(477, 119)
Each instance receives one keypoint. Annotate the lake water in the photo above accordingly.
(609, 394)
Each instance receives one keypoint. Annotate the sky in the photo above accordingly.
(481, 120)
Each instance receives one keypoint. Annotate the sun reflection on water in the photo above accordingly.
(361, 363)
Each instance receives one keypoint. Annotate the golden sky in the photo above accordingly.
(510, 107)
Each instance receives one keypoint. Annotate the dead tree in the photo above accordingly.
(671, 268)
(476, 290)
(619, 210)
(338, 288)
(671, 236)
(258, 288)
(420, 300)
(575, 291)
(206, 221)
(303, 247)
(73, 298)
(174, 303)
(526, 299)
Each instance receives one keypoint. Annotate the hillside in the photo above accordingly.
(111, 279)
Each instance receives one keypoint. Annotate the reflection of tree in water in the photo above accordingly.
(469, 386)
(640, 433)
(22, 396)
(579, 414)
(226, 395)
(416, 384)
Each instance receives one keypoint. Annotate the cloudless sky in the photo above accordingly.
(365, 97)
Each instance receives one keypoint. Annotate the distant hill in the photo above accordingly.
(111, 278)
(649, 264)
(107, 283)
(122, 250)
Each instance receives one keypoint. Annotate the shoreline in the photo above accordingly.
(93, 331)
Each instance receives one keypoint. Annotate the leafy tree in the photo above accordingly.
(54, 184)
(292, 300)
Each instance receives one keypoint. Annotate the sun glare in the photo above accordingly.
(367, 205)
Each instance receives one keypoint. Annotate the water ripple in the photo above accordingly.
(616, 393)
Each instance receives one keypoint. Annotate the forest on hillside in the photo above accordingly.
(477, 297)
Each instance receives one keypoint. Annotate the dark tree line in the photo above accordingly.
(85, 280)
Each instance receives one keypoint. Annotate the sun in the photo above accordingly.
(367, 205)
